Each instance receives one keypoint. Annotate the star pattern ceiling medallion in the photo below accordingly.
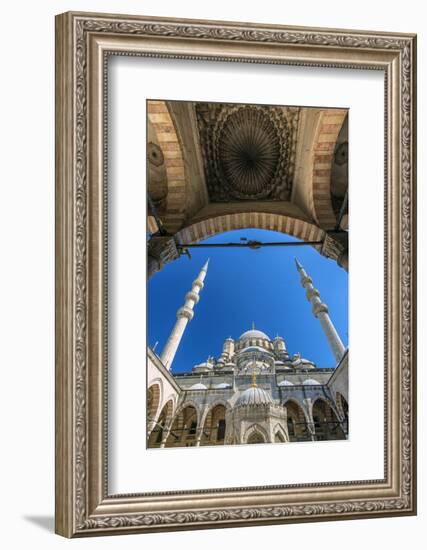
(248, 150)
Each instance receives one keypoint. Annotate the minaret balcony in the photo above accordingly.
(185, 311)
(320, 308)
(312, 293)
(198, 283)
(191, 295)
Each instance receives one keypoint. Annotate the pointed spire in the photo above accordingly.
(253, 325)
(205, 267)
(298, 264)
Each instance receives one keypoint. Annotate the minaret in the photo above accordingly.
(183, 315)
(227, 350)
(320, 310)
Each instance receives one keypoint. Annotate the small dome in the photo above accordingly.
(283, 364)
(253, 334)
(311, 382)
(223, 386)
(205, 365)
(198, 386)
(254, 396)
(285, 383)
(301, 362)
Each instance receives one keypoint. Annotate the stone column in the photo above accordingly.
(310, 423)
(199, 434)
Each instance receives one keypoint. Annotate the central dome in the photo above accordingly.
(253, 334)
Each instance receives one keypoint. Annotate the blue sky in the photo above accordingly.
(244, 286)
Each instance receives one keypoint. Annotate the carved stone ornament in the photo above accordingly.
(248, 150)
(161, 249)
(83, 44)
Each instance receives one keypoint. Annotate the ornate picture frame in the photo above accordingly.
(84, 42)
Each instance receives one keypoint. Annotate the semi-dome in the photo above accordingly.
(254, 396)
(298, 361)
(253, 334)
(311, 382)
(206, 365)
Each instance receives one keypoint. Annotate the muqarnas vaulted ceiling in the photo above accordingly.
(248, 150)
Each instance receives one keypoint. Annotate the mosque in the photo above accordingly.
(254, 392)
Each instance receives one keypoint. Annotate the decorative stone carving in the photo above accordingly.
(157, 180)
(336, 248)
(161, 249)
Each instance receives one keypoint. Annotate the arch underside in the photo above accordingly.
(204, 229)
(200, 203)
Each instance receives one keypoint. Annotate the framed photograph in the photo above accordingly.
(235, 210)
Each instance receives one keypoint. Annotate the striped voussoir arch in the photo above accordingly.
(259, 220)
(159, 116)
(328, 129)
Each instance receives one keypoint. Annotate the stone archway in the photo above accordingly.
(190, 135)
(183, 432)
(297, 423)
(163, 248)
(323, 154)
(280, 435)
(206, 228)
(255, 437)
(159, 430)
(154, 397)
(164, 150)
(327, 425)
(214, 426)
(255, 434)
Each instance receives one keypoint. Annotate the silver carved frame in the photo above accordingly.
(83, 43)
